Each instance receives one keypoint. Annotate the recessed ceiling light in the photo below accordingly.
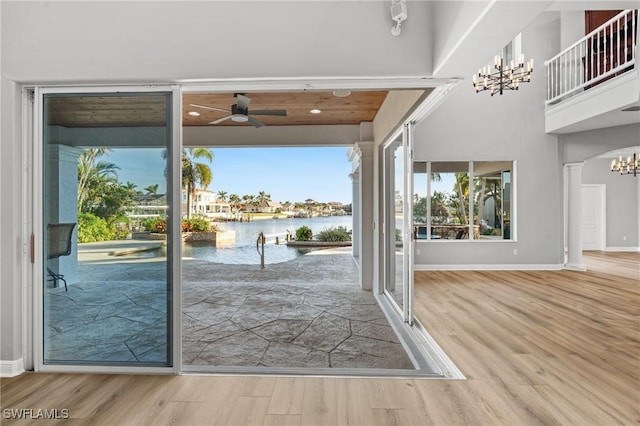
(194, 113)
(315, 111)
(341, 93)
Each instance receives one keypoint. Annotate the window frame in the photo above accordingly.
(512, 211)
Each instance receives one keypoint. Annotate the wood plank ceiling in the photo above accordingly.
(356, 108)
(145, 110)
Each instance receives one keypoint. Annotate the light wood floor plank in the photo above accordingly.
(537, 347)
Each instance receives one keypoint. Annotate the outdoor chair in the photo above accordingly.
(59, 241)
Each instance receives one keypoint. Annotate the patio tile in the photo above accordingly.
(290, 355)
(308, 312)
(325, 333)
(281, 330)
(242, 349)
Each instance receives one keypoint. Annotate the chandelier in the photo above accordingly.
(502, 76)
(625, 167)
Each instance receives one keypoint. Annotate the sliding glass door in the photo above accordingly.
(398, 217)
(106, 286)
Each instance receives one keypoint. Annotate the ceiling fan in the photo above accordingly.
(240, 111)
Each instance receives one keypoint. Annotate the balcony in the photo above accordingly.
(592, 82)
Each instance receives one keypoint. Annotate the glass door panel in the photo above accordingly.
(394, 218)
(398, 223)
(107, 285)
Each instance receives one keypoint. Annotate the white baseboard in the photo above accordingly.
(11, 368)
(622, 249)
(490, 267)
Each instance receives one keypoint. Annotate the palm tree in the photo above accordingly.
(263, 197)
(222, 196)
(194, 173)
(152, 189)
(235, 200)
(462, 188)
(88, 170)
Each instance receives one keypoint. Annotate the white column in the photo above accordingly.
(574, 216)
(61, 202)
(355, 214)
(367, 234)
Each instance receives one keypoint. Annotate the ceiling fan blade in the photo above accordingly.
(220, 120)
(208, 107)
(276, 112)
(242, 101)
(254, 122)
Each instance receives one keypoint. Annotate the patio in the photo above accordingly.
(305, 313)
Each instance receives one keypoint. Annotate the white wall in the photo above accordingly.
(582, 145)
(151, 41)
(470, 126)
(572, 28)
(623, 204)
(11, 239)
(143, 42)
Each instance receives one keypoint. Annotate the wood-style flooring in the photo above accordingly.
(537, 347)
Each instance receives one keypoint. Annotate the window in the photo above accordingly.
(467, 200)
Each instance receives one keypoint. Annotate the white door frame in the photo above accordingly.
(36, 200)
(600, 193)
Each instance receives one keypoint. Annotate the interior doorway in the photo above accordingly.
(594, 219)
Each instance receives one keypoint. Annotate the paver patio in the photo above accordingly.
(305, 313)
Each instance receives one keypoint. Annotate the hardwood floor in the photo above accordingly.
(552, 347)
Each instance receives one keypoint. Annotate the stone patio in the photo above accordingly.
(306, 313)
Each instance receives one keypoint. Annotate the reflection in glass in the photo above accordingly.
(449, 200)
(420, 197)
(105, 173)
(491, 207)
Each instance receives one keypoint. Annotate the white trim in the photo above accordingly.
(579, 268)
(11, 368)
(175, 207)
(28, 119)
(308, 84)
(622, 249)
(437, 354)
(491, 267)
(105, 369)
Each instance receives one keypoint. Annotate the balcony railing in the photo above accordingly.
(605, 52)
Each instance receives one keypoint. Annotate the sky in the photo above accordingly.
(288, 174)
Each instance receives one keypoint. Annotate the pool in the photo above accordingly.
(244, 252)
(241, 255)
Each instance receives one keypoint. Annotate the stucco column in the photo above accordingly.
(574, 216)
(355, 213)
(367, 234)
(61, 201)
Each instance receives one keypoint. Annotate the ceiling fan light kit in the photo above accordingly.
(239, 112)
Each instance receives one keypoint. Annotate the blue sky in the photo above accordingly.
(288, 174)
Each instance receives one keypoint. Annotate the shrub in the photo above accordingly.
(334, 235)
(196, 224)
(149, 224)
(304, 233)
(159, 226)
(92, 228)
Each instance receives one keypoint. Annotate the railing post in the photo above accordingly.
(260, 249)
